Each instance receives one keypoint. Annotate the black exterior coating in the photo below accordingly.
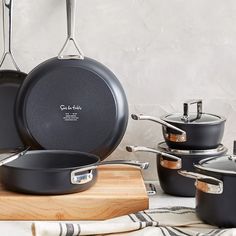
(198, 136)
(218, 209)
(72, 105)
(47, 172)
(10, 82)
(175, 184)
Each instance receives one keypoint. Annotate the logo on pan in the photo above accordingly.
(70, 108)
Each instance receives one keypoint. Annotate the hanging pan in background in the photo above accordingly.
(72, 102)
(10, 82)
(190, 131)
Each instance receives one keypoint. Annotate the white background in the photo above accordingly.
(162, 51)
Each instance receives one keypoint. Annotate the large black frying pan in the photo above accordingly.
(53, 171)
(10, 82)
(72, 102)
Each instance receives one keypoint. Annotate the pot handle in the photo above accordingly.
(204, 183)
(71, 9)
(186, 109)
(7, 6)
(77, 178)
(167, 160)
(157, 120)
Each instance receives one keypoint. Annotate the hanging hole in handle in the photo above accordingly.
(68, 49)
(186, 106)
(3, 59)
(80, 179)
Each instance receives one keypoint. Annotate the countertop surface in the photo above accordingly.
(23, 228)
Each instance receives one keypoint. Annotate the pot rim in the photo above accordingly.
(218, 121)
(40, 169)
(220, 149)
(213, 170)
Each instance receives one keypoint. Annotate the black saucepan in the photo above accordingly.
(190, 131)
(167, 167)
(215, 190)
(53, 171)
(72, 102)
(10, 82)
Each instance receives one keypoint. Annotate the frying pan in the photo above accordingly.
(72, 102)
(53, 171)
(10, 82)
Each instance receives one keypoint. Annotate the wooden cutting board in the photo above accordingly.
(119, 190)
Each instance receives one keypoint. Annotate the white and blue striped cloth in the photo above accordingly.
(172, 221)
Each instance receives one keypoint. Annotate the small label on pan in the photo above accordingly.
(71, 112)
(71, 117)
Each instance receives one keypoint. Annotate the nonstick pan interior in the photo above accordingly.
(10, 82)
(44, 160)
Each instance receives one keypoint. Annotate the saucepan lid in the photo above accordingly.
(194, 117)
(225, 164)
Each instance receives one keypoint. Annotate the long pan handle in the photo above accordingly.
(71, 10)
(7, 6)
(157, 120)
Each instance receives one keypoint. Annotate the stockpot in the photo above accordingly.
(215, 190)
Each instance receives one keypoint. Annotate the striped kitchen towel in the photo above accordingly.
(173, 221)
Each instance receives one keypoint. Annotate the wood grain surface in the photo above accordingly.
(119, 190)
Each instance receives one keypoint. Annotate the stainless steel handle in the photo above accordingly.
(186, 109)
(7, 32)
(71, 10)
(204, 183)
(157, 120)
(16, 154)
(87, 177)
(174, 163)
(82, 178)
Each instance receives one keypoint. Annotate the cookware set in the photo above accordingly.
(189, 164)
(70, 110)
(189, 138)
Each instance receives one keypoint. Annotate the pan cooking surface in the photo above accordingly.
(72, 105)
(79, 107)
(48, 160)
(10, 82)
